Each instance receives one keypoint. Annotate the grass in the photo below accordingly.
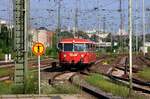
(110, 87)
(5, 87)
(107, 86)
(8, 86)
(113, 55)
(60, 89)
(6, 71)
(145, 73)
(31, 85)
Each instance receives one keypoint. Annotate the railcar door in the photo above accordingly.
(91, 54)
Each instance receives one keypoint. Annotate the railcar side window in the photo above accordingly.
(90, 47)
(79, 47)
(94, 47)
(87, 47)
(68, 47)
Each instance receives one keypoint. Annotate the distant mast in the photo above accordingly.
(76, 21)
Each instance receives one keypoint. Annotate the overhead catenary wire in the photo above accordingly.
(85, 14)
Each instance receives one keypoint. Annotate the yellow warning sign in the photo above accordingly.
(38, 49)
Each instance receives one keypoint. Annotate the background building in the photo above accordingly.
(42, 35)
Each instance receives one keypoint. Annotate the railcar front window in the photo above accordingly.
(68, 47)
(79, 47)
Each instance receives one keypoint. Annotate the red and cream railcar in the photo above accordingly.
(74, 51)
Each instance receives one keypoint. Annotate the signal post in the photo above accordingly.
(38, 49)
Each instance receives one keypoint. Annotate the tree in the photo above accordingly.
(65, 34)
(147, 36)
(6, 41)
(82, 35)
(94, 38)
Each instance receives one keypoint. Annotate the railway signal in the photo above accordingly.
(38, 49)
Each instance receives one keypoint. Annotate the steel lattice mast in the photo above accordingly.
(20, 30)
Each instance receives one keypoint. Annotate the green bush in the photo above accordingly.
(31, 85)
(149, 49)
(17, 89)
(2, 55)
(5, 88)
(52, 52)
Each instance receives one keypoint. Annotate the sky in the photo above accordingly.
(92, 14)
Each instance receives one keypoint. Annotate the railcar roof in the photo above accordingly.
(75, 40)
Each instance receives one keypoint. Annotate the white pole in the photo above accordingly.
(130, 44)
(39, 77)
(6, 57)
(143, 1)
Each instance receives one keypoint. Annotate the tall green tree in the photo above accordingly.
(65, 34)
(82, 35)
(94, 38)
(6, 41)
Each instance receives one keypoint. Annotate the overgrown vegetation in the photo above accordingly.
(6, 71)
(6, 87)
(110, 87)
(6, 39)
(65, 34)
(1, 54)
(149, 49)
(107, 86)
(31, 85)
(60, 89)
(52, 52)
(145, 73)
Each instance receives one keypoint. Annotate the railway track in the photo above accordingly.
(4, 78)
(138, 85)
(62, 76)
(145, 60)
(32, 63)
(76, 79)
(45, 63)
(6, 64)
(122, 77)
(71, 77)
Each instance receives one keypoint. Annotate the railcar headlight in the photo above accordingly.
(82, 55)
(64, 55)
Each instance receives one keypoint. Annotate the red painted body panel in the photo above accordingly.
(76, 57)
